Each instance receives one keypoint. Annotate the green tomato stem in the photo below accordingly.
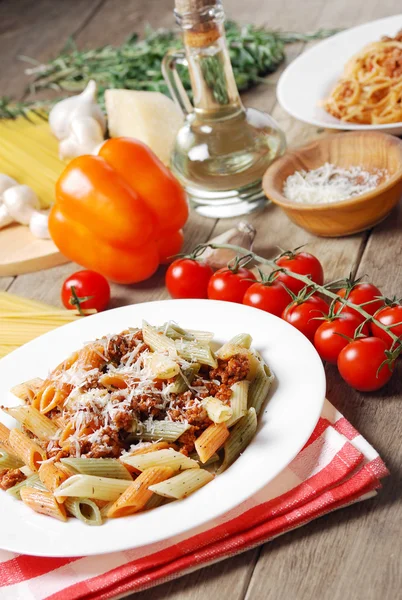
(318, 288)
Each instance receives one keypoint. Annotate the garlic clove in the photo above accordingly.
(39, 224)
(5, 217)
(82, 105)
(21, 201)
(6, 182)
(85, 135)
(242, 235)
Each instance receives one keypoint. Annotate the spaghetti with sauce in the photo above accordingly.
(370, 90)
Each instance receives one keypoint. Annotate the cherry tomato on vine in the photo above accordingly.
(188, 278)
(327, 339)
(230, 284)
(359, 294)
(269, 296)
(85, 289)
(302, 263)
(305, 315)
(390, 316)
(360, 361)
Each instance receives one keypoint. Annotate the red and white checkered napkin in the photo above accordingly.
(336, 467)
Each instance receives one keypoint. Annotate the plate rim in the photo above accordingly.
(340, 125)
(241, 497)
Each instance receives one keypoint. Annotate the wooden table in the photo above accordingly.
(353, 554)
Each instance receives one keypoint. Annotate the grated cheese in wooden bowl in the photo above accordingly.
(330, 183)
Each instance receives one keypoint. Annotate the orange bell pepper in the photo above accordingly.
(119, 213)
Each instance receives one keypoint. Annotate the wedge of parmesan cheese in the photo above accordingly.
(150, 117)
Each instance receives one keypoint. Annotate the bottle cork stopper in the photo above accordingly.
(200, 28)
(191, 6)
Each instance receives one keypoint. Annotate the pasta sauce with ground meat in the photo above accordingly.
(113, 392)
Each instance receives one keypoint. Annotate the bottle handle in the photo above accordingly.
(174, 83)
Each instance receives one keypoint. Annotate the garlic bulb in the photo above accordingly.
(21, 201)
(82, 105)
(5, 183)
(242, 235)
(85, 135)
(5, 217)
(38, 224)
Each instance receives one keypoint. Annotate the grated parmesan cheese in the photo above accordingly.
(330, 183)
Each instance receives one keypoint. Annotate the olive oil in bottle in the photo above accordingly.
(223, 149)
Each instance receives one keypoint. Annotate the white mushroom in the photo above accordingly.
(38, 224)
(21, 201)
(85, 134)
(82, 105)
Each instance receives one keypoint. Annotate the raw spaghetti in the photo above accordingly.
(370, 90)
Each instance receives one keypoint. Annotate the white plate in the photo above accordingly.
(309, 79)
(286, 424)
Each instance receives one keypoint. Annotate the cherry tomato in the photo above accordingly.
(91, 286)
(360, 293)
(327, 340)
(271, 297)
(188, 278)
(302, 263)
(230, 284)
(389, 315)
(303, 315)
(359, 364)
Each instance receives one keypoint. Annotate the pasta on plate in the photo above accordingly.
(132, 421)
(370, 90)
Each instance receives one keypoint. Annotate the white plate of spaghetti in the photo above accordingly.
(119, 396)
(351, 81)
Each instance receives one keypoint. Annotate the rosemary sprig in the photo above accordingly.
(136, 64)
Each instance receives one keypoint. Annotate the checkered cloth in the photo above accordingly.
(337, 467)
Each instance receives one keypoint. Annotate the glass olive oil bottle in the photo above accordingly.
(223, 149)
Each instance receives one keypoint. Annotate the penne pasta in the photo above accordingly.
(51, 476)
(157, 341)
(84, 509)
(229, 349)
(4, 438)
(33, 420)
(238, 401)
(137, 495)
(8, 461)
(259, 388)
(32, 481)
(217, 411)
(240, 437)
(184, 379)
(196, 352)
(211, 440)
(27, 391)
(130, 421)
(160, 430)
(241, 339)
(27, 450)
(101, 467)
(182, 485)
(43, 502)
(163, 367)
(89, 486)
(161, 458)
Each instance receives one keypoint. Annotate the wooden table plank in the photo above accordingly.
(39, 32)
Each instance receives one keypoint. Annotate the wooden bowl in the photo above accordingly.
(370, 150)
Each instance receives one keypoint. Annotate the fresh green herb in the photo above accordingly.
(136, 64)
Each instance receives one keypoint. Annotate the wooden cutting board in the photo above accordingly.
(29, 154)
(21, 252)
